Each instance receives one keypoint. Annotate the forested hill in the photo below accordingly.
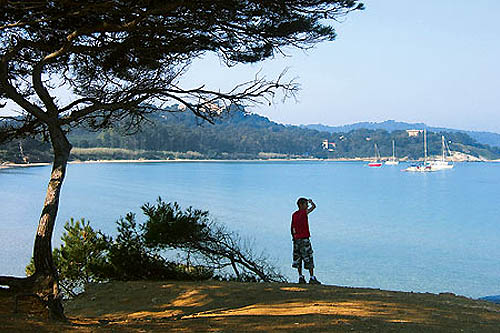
(489, 138)
(171, 135)
(241, 135)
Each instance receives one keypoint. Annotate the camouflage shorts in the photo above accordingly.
(302, 252)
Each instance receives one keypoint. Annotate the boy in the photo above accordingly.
(302, 250)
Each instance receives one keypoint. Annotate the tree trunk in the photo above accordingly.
(46, 277)
(43, 284)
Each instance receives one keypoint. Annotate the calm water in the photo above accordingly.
(379, 228)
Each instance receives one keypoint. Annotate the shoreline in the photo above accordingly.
(8, 165)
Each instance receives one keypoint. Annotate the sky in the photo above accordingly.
(431, 61)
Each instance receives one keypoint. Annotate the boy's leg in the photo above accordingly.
(302, 279)
(312, 278)
(309, 262)
(297, 260)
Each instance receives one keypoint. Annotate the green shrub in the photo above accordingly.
(79, 258)
(139, 251)
(168, 226)
(130, 259)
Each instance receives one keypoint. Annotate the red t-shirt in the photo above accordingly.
(300, 224)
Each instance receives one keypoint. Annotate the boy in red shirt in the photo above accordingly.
(302, 249)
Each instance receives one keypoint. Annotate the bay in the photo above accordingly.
(380, 228)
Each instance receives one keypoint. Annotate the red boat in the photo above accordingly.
(377, 163)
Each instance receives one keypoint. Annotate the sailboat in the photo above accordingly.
(435, 165)
(421, 167)
(377, 163)
(442, 163)
(393, 160)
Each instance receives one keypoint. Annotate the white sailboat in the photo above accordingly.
(442, 163)
(421, 167)
(434, 165)
(393, 160)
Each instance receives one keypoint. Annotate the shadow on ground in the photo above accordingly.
(256, 307)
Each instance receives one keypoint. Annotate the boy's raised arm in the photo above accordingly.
(312, 207)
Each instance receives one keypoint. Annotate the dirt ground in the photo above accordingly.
(257, 307)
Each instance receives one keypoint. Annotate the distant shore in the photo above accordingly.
(7, 165)
(24, 165)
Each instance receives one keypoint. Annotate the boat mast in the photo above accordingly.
(449, 152)
(442, 148)
(393, 150)
(425, 145)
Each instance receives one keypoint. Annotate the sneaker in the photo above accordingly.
(313, 280)
(302, 280)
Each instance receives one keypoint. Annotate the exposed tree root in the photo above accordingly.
(31, 296)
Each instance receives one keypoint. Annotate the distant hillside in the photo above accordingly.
(241, 135)
(494, 299)
(488, 138)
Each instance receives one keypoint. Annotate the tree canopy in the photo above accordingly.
(116, 55)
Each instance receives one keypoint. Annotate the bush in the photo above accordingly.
(168, 227)
(139, 252)
(130, 258)
(80, 257)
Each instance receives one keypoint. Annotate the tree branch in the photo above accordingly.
(76, 102)
(11, 92)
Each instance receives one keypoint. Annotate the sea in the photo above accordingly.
(378, 228)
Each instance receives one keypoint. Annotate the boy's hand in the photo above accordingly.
(313, 206)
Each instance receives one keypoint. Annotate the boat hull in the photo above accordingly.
(440, 165)
(418, 168)
(429, 167)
